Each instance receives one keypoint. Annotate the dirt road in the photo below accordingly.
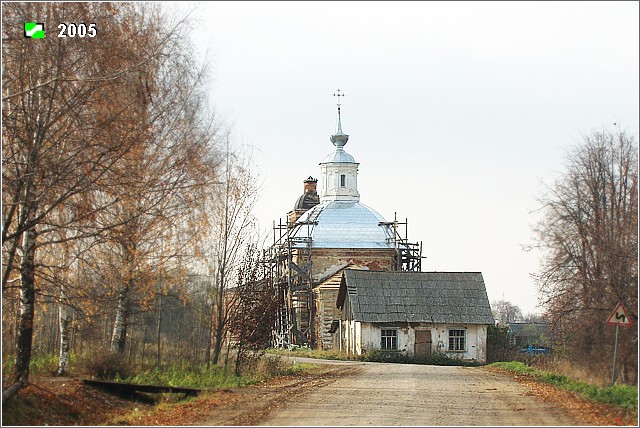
(393, 394)
(407, 394)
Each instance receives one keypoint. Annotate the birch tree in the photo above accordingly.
(88, 123)
(161, 207)
(54, 152)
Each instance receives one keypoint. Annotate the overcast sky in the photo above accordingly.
(457, 112)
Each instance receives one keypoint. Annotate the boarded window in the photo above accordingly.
(457, 340)
(388, 339)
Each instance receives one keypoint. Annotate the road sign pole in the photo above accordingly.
(615, 352)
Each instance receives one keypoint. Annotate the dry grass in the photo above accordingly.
(594, 374)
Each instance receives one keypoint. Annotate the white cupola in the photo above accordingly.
(339, 169)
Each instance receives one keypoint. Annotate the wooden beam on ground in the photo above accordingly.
(132, 387)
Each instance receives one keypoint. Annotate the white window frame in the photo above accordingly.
(457, 341)
(387, 338)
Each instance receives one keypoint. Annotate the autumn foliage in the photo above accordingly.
(112, 185)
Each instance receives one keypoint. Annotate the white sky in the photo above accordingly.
(456, 111)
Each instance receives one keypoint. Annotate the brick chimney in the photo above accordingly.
(310, 185)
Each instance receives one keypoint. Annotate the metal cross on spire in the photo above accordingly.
(339, 94)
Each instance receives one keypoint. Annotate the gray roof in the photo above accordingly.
(343, 224)
(438, 297)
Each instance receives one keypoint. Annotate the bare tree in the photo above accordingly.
(233, 229)
(505, 312)
(535, 318)
(256, 303)
(590, 240)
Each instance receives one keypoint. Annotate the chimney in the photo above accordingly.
(310, 185)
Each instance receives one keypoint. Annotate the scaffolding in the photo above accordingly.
(408, 255)
(292, 267)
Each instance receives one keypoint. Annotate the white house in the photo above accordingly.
(416, 313)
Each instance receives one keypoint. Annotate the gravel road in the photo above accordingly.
(407, 394)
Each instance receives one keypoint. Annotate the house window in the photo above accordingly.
(457, 339)
(389, 339)
(343, 180)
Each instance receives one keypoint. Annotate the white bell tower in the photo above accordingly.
(339, 170)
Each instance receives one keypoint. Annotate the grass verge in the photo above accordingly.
(199, 376)
(67, 401)
(623, 396)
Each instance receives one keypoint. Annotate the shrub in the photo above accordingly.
(437, 359)
(44, 364)
(269, 367)
(105, 365)
(499, 347)
(384, 356)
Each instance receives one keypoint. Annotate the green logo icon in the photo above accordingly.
(34, 30)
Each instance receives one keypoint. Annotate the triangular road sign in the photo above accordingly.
(619, 316)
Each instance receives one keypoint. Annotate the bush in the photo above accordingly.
(499, 347)
(383, 356)
(436, 359)
(269, 367)
(105, 365)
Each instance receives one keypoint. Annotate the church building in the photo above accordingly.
(327, 233)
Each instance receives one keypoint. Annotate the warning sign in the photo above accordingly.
(619, 316)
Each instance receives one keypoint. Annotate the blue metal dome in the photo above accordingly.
(342, 224)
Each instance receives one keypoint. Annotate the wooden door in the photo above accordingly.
(423, 344)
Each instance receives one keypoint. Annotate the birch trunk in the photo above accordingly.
(66, 317)
(24, 340)
(119, 335)
(159, 331)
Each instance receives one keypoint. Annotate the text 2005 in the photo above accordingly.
(71, 29)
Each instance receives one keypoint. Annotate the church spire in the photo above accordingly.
(339, 139)
(339, 169)
(339, 94)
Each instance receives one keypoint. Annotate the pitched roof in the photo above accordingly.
(438, 297)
